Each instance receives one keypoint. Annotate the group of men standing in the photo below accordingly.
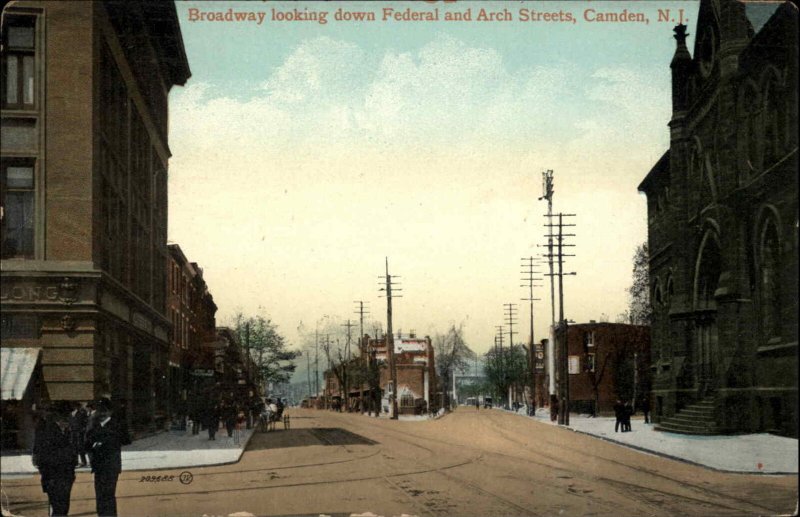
(66, 432)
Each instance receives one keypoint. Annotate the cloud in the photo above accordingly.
(433, 156)
(332, 95)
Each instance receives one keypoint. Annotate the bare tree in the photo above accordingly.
(452, 354)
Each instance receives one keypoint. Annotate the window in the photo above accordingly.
(17, 204)
(18, 67)
(769, 282)
(590, 362)
(588, 339)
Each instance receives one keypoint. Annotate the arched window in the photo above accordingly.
(658, 298)
(669, 291)
(751, 124)
(769, 281)
(774, 116)
(708, 272)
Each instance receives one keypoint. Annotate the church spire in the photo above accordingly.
(681, 70)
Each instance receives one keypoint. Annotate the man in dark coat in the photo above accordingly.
(78, 423)
(619, 409)
(626, 417)
(646, 409)
(229, 414)
(55, 457)
(105, 439)
(211, 419)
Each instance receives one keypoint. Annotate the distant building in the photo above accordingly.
(416, 375)
(722, 225)
(83, 189)
(191, 311)
(607, 361)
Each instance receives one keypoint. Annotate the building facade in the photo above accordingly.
(369, 379)
(722, 225)
(84, 196)
(607, 361)
(191, 311)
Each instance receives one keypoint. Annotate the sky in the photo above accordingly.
(306, 154)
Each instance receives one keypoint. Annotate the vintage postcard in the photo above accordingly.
(399, 258)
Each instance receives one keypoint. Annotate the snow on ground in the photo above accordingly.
(161, 451)
(763, 453)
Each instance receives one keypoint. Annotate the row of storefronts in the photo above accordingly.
(90, 304)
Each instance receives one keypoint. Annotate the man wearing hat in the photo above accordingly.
(105, 439)
(55, 456)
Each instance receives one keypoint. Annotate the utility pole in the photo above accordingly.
(308, 372)
(316, 363)
(499, 341)
(550, 368)
(529, 278)
(510, 316)
(362, 349)
(345, 375)
(326, 347)
(361, 311)
(390, 338)
(547, 193)
(563, 359)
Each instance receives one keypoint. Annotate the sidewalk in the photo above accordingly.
(747, 453)
(168, 450)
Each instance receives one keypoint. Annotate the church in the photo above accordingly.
(723, 226)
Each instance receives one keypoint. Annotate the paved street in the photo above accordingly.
(469, 463)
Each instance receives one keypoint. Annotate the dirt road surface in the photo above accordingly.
(470, 463)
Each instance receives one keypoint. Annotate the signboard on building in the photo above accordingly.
(410, 345)
(539, 358)
(574, 364)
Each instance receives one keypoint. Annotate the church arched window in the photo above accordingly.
(769, 280)
(751, 124)
(774, 116)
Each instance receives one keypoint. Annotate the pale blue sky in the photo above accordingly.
(303, 154)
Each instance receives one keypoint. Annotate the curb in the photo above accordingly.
(677, 458)
(661, 454)
(218, 464)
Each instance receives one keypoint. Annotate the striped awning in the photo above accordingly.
(16, 369)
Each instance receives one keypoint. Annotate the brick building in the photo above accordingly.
(83, 188)
(416, 374)
(722, 224)
(191, 311)
(607, 361)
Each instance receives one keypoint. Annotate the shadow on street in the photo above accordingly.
(280, 439)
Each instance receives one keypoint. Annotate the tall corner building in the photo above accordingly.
(84, 196)
(723, 226)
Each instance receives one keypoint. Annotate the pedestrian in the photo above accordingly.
(78, 423)
(627, 412)
(229, 417)
(554, 408)
(253, 411)
(646, 409)
(477, 404)
(55, 456)
(211, 420)
(105, 439)
(619, 407)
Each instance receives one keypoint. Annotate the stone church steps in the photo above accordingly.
(696, 418)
